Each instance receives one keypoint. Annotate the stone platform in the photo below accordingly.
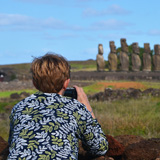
(106, 75)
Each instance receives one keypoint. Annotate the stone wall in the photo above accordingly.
(16, 85)
(131, 93)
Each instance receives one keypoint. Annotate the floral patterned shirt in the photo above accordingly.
(47, 126)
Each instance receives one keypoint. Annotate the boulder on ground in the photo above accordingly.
(116, 149)
(126, 140)
(143, 150)
(15, 96)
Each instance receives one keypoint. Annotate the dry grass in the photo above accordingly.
(4, 127)
(101, 85)
(132, 117)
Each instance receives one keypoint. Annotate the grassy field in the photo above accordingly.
(6, 94)
(22, 71)
(75, 65)
(134, 117)
(101, 85)
(130, 117)
(5, 109)
(24, 68)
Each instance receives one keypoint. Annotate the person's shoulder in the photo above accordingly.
(76, 102)
(17, 106)
(68, 101)
(29, 98)
(25, 100)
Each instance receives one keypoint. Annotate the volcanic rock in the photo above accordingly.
(143, 150)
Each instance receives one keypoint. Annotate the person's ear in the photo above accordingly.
(66, 83)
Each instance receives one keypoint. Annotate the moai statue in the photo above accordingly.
(112, 58)
(123, 56)
(156, 57)
(99, 59)
(147, 58)
(136, 61)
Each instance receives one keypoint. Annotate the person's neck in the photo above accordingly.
(61, 92)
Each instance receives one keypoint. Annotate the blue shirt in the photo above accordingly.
(47, 126)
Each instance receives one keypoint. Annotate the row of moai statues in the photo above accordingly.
(124, 57)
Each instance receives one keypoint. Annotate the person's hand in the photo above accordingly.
(82, 98)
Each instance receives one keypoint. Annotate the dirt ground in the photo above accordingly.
(121, 85)
(84, 78)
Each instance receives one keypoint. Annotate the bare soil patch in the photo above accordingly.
(121, 85)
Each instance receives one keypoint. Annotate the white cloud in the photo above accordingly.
(136, 32)
(73, 3)
(16, 21)
(111, 24)
(66, 36)
(36, 1)
(154, 32)
(90, 12)
(53, 23)
(114, 9)
(22, 23)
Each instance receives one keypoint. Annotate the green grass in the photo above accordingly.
(4, 105)
(89, 65)
(6, 94)
(4, 128)
(155, 85)
(93, 88)
(22, 66)
(139, 117)
(124, 117)
(5, 109)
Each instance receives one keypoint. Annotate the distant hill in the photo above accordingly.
(22, 71)
(16, 71)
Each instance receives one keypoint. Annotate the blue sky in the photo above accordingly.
(74, 28)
